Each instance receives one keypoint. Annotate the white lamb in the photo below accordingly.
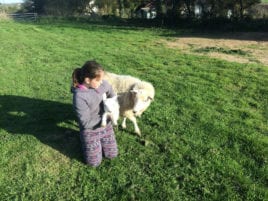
(134, 96)
(120, 83)
(111, 109)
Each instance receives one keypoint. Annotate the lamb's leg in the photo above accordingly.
(114, 120)
(104, 119)
(134, 121)
(115, 117)
(124, 123)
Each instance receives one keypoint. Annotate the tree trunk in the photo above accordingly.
(241, 9)
(121, 7)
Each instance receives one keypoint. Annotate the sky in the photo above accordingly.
(11, 1)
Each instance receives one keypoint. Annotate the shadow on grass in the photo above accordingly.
(52, 123)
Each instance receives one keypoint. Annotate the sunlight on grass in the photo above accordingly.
(221, 50)
(203, 138)
(15, 113)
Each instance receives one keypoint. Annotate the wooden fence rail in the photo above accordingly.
(23, 16)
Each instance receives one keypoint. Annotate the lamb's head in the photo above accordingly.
(143, 93)
(111, 106)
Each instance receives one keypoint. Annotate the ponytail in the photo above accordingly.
(76, 77)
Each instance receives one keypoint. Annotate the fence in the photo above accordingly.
(23, 16)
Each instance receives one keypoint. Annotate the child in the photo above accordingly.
(88, 89)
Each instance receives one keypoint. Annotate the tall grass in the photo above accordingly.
(203, 138)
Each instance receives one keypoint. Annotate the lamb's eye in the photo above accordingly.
(148, 99)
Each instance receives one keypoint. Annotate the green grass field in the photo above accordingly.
(203, 138)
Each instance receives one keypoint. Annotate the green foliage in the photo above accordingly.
(168, 10)
(9, 8)
(203, 138)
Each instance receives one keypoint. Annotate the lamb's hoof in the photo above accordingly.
(103, 125)
(138, 133)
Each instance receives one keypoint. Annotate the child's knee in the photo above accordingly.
(93, 163)
(94, 159)
(111, 153)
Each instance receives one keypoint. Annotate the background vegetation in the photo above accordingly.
(168, 11)
(203, 138)
(164, 7)
(203, 14)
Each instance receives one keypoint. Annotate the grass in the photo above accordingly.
(221, 50)
(203, 138)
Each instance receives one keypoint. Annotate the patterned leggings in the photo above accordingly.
(96, 141)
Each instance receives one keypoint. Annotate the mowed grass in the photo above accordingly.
(203, 138)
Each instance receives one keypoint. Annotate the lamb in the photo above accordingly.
(111, 109)
(120, 83)
(134, 96)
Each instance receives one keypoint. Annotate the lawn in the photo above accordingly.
(203, 138)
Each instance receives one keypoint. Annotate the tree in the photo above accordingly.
(166, 9)
(242, 5)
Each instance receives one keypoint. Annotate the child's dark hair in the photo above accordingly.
(91, 70)
(76, 77)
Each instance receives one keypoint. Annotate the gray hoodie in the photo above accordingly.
(88, 105)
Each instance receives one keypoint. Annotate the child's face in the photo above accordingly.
(95, 82)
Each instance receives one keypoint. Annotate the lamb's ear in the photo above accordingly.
(150, 98)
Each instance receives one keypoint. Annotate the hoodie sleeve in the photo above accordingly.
(84, 112)
(110, 92)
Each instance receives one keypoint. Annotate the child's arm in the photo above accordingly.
(84, 112)
(110, 92)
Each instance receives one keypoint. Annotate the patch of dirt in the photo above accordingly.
(237, 47)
